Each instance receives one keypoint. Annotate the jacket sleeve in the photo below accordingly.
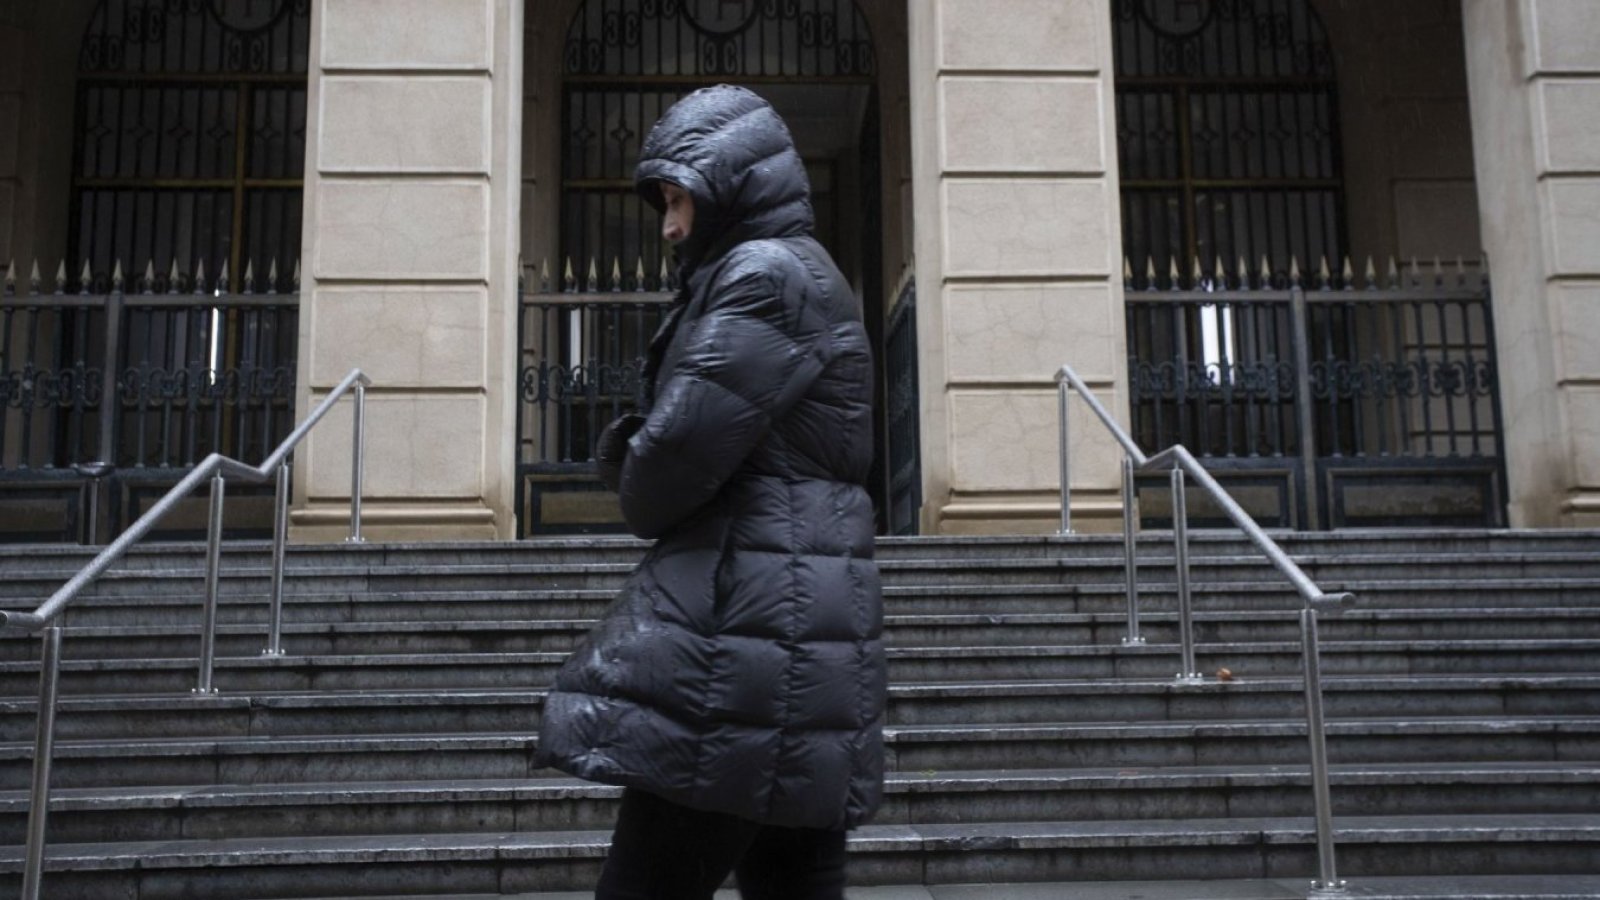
(748, 360)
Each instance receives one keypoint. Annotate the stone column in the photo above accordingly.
(1018, 260)
(1534, 74)
(410, 264)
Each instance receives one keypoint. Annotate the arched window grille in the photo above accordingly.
(190, 137)
(1227, 137)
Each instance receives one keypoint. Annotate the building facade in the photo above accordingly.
(1346, 250)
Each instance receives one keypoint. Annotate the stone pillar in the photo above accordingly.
(1018, 260)
(1534, 75)
(411, 204)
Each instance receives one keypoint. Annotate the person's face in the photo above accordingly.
(678, 220)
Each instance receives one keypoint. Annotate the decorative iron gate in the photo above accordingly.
(1227, 134)
(1326, 404)
(585, 327)
(190, 149)
(107, 399)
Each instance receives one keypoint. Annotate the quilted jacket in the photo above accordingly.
(741, 669)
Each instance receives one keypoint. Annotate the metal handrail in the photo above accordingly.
(1182, 464)
(215, 468)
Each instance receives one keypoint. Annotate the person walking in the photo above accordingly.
(736, 686)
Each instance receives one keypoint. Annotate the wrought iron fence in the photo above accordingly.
(583, 357)
(110, 395)
(1330, 401)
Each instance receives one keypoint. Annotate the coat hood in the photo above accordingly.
(731, 151)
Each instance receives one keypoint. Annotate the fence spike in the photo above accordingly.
(295, 278)
(200, 276)
(638, 275)
(666, 275)
(117, 281)
(1349, 274)
(1372, 273)
(1150, 273)
(1173, 274)
(11, 278)
(1244, 273)
(616, 274)
(1127, 271)
(173, 277)
(1394, 273)
(1324, 275)
(569, 281)
(33, 278)
(149, 286)
(224, 284)
(272, 276)
(1294, 271)
(1438, 272)
(1222, 274)
(1266, 271)
(248, 283)
(1196, 273)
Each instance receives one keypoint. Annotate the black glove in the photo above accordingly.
(612, 448)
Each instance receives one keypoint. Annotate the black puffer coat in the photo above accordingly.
(741, 670)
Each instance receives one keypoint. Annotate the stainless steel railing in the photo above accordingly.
(1182, 465)
(215, 468)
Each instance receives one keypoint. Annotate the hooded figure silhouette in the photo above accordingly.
(740, 671)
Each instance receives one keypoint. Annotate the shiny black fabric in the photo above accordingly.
(741, 670)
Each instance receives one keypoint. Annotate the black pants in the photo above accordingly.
(663, 851)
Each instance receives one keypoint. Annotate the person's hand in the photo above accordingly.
(612, 448)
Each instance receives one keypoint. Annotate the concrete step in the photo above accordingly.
(183, 609)
(555, 635)
(953, 703)
(522, 805)
(439, 754)
(509, 862)
(1264, 742)
(30, 588)
(1225, 541)
(474, 671)
(1433, 887)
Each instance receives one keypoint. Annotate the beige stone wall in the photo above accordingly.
(1534, 69)
(410, 245)
(1017, 242)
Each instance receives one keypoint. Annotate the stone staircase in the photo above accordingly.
(389, 754)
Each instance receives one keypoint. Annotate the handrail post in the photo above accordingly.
(1062, 389)
(43, 748)
(208, 625)
(1180, 548)
(280, 529)
(356, 455)
(1328, 882)
(1130, 552)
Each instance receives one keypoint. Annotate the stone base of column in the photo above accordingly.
(326, 524)
(1093, 512)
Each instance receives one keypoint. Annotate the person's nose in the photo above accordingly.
(671, 230)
